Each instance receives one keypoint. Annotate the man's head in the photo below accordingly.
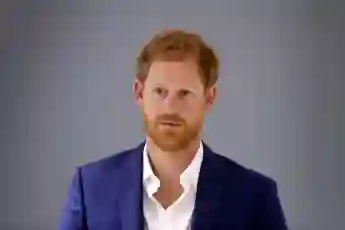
(175, 86)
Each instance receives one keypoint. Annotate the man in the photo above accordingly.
(173, 180)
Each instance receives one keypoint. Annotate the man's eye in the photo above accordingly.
(184, 93)
(159, 91)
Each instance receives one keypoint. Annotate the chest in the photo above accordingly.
(175, 216)
(185, 212)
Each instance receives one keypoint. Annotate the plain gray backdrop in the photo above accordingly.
(66, 74)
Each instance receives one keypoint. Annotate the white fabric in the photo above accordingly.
(178, 215)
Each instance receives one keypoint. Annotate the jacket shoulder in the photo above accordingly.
(112, 164)
(248, 176)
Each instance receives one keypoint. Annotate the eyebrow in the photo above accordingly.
(185, 88)
(181, 88)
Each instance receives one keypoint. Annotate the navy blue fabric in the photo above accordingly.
(107, 195)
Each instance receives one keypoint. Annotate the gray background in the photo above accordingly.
(66, 74)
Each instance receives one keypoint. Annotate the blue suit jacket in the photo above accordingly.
(107, 195)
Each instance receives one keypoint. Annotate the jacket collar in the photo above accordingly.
(208, 197)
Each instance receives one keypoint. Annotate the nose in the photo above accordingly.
(171, 103)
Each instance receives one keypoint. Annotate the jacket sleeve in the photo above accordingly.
(268, 211)
(73, 213)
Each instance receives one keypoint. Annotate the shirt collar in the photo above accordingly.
(188, 178)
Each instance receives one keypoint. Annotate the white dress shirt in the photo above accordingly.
(178, 215)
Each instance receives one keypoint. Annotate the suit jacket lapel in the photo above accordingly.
(130, 202)
(209, 192)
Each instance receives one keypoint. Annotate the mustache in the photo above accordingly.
(170, 118)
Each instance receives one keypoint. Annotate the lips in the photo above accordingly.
(170, 123)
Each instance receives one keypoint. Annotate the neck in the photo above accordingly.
(169, 166)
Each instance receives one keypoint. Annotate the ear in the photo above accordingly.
(138, 88)
(211, 95)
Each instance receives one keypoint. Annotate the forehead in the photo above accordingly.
(175, 73)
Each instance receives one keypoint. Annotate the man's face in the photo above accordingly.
(173, 101)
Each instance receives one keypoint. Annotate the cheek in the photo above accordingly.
(193, 106)
(153, 106)
(150, 109)
(194, 112)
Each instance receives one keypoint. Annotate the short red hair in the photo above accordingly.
(178, 45)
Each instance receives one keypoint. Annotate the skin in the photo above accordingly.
(173, 101)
